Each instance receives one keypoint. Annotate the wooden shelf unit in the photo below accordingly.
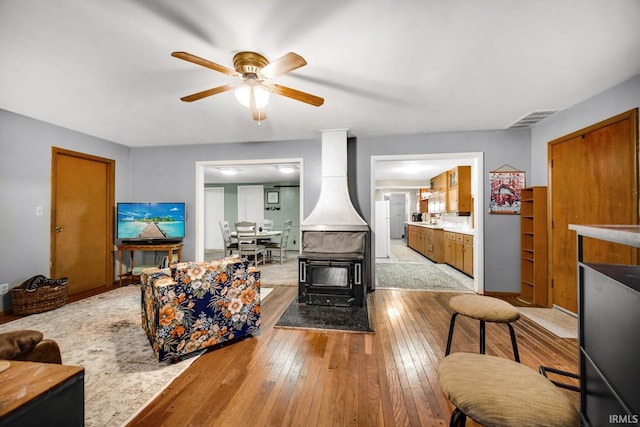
(533, 246)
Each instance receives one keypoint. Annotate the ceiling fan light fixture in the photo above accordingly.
(255, 71)
(260, 94)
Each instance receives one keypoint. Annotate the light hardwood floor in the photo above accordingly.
(286, 377)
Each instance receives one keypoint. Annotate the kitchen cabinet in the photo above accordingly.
(459, 190)
(449, 248)
(458, 251)
(435, 245)
(438, 197)
(451, 192)
(467, 256)
(533, 246)
(424, 199)
(417, 240)
(458, 260)
(427, 241)
(608, 319)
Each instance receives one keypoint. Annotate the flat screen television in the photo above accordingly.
(150, 222)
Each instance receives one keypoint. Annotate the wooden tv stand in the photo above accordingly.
(149, 247)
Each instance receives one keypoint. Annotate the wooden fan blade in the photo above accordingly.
(205, 63)
(297, 95)
(209, 92)
(282, 65)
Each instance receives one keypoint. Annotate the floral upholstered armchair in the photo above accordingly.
(195, 305)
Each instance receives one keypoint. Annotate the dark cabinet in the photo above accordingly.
(609, 321)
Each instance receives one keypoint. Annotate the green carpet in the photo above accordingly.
(407, 275)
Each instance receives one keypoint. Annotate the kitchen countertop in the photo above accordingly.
(467, 231)
(427, 225)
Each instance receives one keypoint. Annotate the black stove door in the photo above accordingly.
(330, 282)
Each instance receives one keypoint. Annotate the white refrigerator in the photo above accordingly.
(382, 229)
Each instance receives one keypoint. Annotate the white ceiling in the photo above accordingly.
(383, 66)
(251, 173)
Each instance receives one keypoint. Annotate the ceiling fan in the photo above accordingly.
(255, 71)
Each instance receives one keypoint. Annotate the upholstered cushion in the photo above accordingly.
(46, 351)
(16, 343)
(499, 392)
(484, 308)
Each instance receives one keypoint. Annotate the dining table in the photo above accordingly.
(264, 234)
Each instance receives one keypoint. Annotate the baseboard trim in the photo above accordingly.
(501, 294)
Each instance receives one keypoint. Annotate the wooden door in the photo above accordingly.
(593, 179)
(82, 200)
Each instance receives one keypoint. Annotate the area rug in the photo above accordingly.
(555, 321)
(411, 275)
(303, 316)
(104, 335)
(264, 292)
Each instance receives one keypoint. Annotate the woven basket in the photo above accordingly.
(43, 298)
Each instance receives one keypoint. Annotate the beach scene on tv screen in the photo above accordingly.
(150, 220)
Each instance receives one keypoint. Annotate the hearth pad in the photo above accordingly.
(350, 319)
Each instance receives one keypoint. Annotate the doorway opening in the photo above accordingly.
(398, 177)
(266, 172)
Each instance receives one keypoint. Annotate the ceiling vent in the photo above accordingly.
(530, 119)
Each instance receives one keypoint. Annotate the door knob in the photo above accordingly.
(59, 229)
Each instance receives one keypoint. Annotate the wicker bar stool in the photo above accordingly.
(485, 309)
(498, 392)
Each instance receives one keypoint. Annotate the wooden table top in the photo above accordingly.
(25, 381)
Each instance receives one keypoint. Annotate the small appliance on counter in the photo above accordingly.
(416, 217)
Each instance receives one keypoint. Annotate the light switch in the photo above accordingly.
(39, 211)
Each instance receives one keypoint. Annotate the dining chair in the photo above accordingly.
(267, 225)
(229, 244)
(282, 244)
(248, 242)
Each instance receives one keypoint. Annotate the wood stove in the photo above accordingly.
(333, 268)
